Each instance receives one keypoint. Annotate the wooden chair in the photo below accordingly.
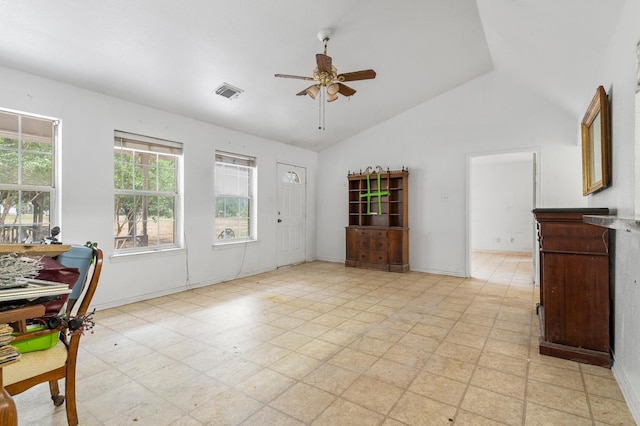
(58, 362)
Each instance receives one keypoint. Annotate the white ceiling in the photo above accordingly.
(172, 55)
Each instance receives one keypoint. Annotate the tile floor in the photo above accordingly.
(321, 344)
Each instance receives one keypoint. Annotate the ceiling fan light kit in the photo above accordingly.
(332, 89)
(328, 83)
(312, 91)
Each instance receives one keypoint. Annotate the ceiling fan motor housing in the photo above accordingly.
(325, 34)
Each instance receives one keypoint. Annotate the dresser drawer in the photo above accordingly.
(373, 244)
(372, 233)
(573, 237)
(372, 256)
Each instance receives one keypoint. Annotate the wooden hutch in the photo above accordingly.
(575, 306)
(378, 233)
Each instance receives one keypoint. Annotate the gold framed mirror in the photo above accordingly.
(596, 144)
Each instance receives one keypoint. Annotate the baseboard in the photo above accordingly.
(630, 397)
(503, 252)
(439, 272)
(330, 259)
(178, 289)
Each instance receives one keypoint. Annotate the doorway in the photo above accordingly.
(291, 215)
(502, 192)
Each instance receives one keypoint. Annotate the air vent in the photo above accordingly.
(228, 91)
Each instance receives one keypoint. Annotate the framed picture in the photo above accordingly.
(596, 145)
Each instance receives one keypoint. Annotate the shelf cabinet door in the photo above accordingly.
(352, 247)
(398, 249)
(577, 300)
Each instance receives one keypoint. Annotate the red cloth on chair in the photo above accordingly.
(53, 270)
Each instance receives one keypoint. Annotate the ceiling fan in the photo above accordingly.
(328, 83)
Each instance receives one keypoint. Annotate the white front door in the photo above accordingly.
(291, 215)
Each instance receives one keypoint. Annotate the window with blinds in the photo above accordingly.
(235, 189)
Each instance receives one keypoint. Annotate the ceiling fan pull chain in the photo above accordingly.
(321, 110)
(324, 108)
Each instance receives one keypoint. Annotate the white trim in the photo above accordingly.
(536, 193)
(233, 243)
(121, 256)
(630, 397)
(15, 111)
(147, 139)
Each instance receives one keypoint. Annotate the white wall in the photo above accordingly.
(618, 77)
(88, 122)
(501, 200)
(489, 114)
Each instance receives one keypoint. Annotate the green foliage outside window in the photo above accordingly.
(145, 198)
(26, 177)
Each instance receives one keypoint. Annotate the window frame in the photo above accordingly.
(241, 161)
(159, 147)
(54, 189)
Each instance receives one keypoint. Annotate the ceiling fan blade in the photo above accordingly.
(299, 77)
(345, 90)
(357, 75)
(324, 63)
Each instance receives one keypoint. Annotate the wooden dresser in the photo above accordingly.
(574, 309)
(378, 235)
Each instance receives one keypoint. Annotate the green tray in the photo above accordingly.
(39, 343)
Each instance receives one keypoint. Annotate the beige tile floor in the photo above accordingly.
(321, 344)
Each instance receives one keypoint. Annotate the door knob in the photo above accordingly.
(279, 220)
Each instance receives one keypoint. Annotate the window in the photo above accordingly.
(235, 187)
(291, 177)
(27, 176)
(147, 193)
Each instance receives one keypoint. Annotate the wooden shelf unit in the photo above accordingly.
(575, 305)
(378, 235)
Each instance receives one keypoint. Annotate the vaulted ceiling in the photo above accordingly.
(174, 55)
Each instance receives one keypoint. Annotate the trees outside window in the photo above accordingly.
(147, 195)
(27, 176)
